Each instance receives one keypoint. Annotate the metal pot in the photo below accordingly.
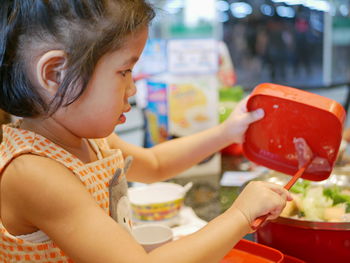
(314, 242)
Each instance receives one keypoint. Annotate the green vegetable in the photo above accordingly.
(300, 187)
(335, 194)
(301, 214)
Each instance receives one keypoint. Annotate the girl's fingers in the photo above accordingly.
(277, 188)
(279, 204)
(243, 105)
(284, 193)
(257, 115)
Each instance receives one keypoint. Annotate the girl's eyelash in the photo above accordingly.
(123, 73)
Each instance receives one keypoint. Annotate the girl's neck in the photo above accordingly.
(61, 136)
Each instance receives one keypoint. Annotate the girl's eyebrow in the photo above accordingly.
(131, 60)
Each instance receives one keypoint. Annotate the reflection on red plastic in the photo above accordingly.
(290, 259)
(233, 149)
(292, 113)
(304, 155)
(250, 252)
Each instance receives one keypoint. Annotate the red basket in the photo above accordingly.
(250, 252)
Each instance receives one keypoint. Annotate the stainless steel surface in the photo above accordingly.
(339, 177)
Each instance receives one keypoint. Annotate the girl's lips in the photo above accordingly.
(122, 119)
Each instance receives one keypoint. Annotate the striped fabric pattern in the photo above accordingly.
(95, 176)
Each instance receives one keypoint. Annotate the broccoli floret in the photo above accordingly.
(300, 187)
(335, 194)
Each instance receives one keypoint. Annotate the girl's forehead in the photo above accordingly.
(130, 51)
(132, 47)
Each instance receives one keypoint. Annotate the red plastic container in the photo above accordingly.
(290, 259)
(292, 113)
(233, 149)
(313, 242)
(250, 252)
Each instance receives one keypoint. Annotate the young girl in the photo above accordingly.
(66, 69)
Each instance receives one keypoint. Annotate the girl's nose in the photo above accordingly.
(131, 91)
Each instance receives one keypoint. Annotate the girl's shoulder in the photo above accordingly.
(30, 174)
(30, 165)
(34, 188)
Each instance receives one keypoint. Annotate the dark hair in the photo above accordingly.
(84, 29)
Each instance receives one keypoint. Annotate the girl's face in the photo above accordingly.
(103, 104)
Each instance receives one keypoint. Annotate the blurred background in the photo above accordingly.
(203, 56)
(296, 42)
(222, 49)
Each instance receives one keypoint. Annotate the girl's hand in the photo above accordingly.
(237, 124)
(261, 198)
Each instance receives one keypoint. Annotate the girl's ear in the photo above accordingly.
(50, 70)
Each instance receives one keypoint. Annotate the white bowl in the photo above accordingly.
(156, 202)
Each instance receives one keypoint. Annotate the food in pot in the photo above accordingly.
(318, 203)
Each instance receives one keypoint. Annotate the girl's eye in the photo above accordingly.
(123, 73)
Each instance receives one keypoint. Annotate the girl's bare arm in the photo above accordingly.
(44, 194)
(167, 159)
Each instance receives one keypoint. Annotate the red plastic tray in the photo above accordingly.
(250, 252)
(291, 113)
